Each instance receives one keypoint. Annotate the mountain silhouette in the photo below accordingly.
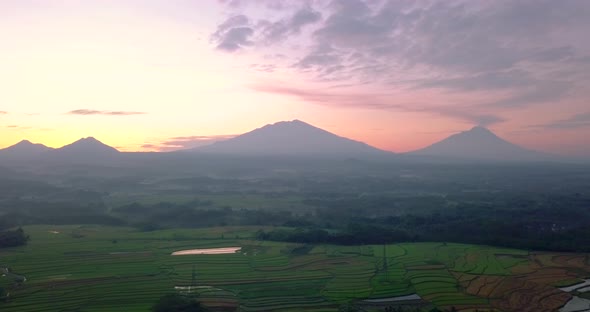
(26, 147)
(24, 150)
(292, 138)
(87, 147)
(87, 150)
(480, 143)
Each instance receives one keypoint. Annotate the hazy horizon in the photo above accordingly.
(297, 138)
(397, 75)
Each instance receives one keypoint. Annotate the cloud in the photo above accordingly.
(233, 34)
(3, 113)
(383, 101)
(323, 58)
(275, 5)
(541, 92)
(466, 114)
(334, 99)
(17, 127)
(577, 121)
(525, 52)
(187, 142)
(105, 113)
(273, 32)
(231, 3)
(239, 31)
(481, 81)
(268, 68)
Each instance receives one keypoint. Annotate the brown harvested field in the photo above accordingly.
(548, 275)
(578, 261)
(482, 286)
(525, 268)
(519, 296)
(530, 287)
(464, 277)
(543, 259)
(508, 293)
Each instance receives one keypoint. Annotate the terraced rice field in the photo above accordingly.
(94, 268)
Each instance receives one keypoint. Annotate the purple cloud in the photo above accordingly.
(187, 142)
(86, 112)
(576, 121)
(233, 34)
(533, 49)
(470, 114)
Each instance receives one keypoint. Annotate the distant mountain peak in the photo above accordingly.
(480, 128)
(292, 138)
(89, 140)
(28, 145)
(26, 148)
(88, 145)
(290, 123)
(24, 143)
(481, 144)
(478, 132)
(298, 122)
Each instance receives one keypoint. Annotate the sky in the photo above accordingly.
(160, 75)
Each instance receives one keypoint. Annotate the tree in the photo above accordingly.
(13, 238)
(177, 303)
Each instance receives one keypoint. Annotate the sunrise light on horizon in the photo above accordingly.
(398, 75)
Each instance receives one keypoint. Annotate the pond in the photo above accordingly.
(208, 251)
(576, 286)
(576, 304)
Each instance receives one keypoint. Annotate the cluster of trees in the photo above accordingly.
(354, 234)
(514, 233)
(558, 222)
(13, 238)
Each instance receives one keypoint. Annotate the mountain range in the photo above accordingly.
(299, 139)
(85, 150)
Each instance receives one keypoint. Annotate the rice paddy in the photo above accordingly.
(97, 268)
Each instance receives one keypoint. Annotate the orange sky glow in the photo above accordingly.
(138, 75)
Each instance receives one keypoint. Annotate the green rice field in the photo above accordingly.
(98, 268)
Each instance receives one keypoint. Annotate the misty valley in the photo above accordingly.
(331, 225)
